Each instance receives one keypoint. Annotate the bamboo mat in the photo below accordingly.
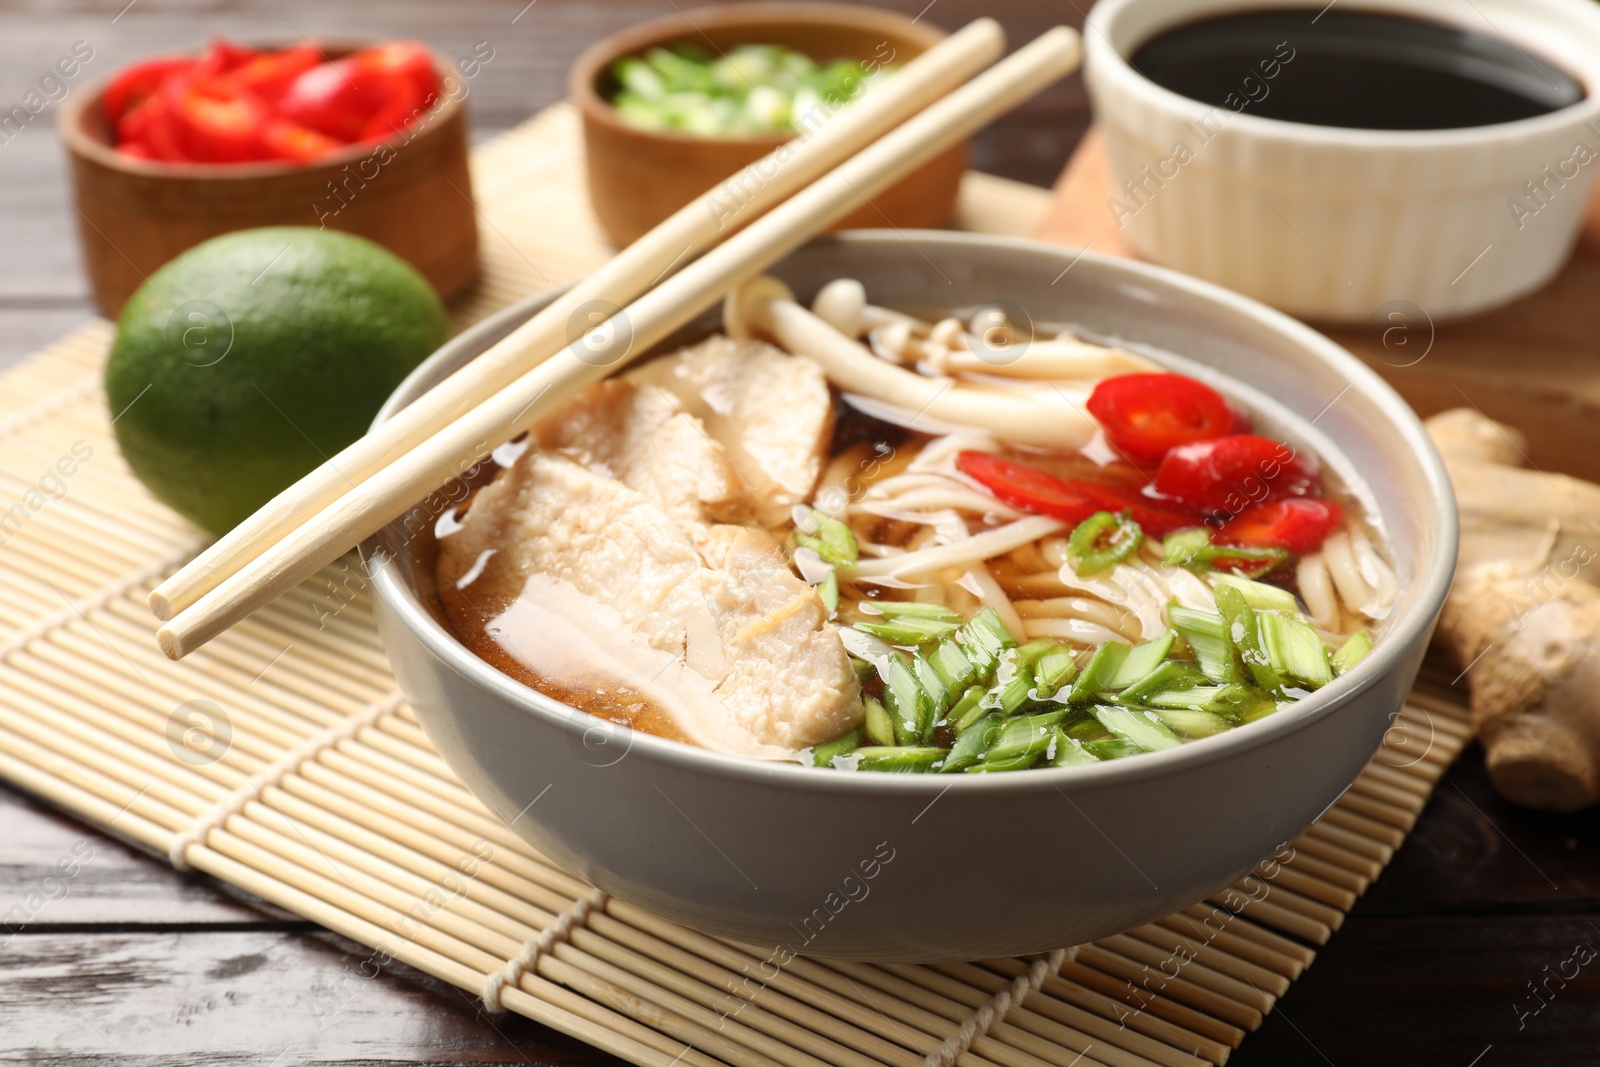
(281, 760)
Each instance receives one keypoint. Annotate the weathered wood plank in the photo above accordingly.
(251, 997)
(55, 871)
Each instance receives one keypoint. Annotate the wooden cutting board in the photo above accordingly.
(1534, 364)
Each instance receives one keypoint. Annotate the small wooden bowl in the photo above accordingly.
(411, 194)
(638, 177)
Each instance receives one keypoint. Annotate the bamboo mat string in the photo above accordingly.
(79, 608)
(978, 1023)
(272, 775)
(49, 405)
(528, 959)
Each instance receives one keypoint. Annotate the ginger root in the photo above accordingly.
(1523, 615)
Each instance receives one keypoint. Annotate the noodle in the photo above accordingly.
(1078, 631)
(977, 548)
(1316, 589)
(994, 597)
(1112, 618)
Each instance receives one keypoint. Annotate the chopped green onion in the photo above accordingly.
(983, 638)
(970, 746)
(1353, 651)
(952, 664)
(1167, 677)
(909, 706)
(1192, 722)
(1242, 631)
(832, 540)
(1183, 548)
(907, 631)
(1206, 634)
(1102, 541)
(1025, 736)
(828, 590)
(823, 755)
(1141, 660)
(1193, 549)
(1258, 595)
(1142, 728)
(1014, 676)
(877, 726)
(1053, 670)
(1293, 649)
(899, 609)
(1070, 752)
(939, 693)
(968, 709)
(1112, 748)
(1232, 700)
(1266, 707)
(904, 758)
(1105, 662)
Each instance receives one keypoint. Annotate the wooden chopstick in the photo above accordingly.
(387, 494)
(697, 226)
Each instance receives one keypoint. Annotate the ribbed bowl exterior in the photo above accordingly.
(1332, 224)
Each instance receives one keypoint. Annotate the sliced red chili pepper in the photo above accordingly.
(294, 143)
(224, 56)
(1031, 489)
(210, 124)
(1155, 520)
(1226, 475)
(268, 75)
(405, 106)
(1299, 525)
(133, 85)
(1026, 487)
(149, 126)
(1145, 415)
(337, 98)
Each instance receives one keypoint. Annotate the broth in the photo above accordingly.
(947, 561)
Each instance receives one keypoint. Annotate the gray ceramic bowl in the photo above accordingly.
(916, 868)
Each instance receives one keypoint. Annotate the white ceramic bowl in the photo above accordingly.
(1332, 223)
(926, 867)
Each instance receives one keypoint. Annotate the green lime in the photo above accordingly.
(248, 360)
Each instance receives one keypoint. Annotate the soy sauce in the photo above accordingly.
(1357, 69)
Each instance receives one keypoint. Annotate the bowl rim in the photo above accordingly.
(1408, 631)
(1106, 60)
(72, 115)
(586, 69)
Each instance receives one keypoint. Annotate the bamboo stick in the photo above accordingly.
(364, 510)
(692, 229)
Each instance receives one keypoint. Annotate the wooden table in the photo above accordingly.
(123, 961)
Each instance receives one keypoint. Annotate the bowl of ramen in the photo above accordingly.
(939, 600)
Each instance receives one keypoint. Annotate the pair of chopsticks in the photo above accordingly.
(793, 194)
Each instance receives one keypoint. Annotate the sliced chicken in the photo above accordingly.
(771, 412)
(729, 610)
(641, 435)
